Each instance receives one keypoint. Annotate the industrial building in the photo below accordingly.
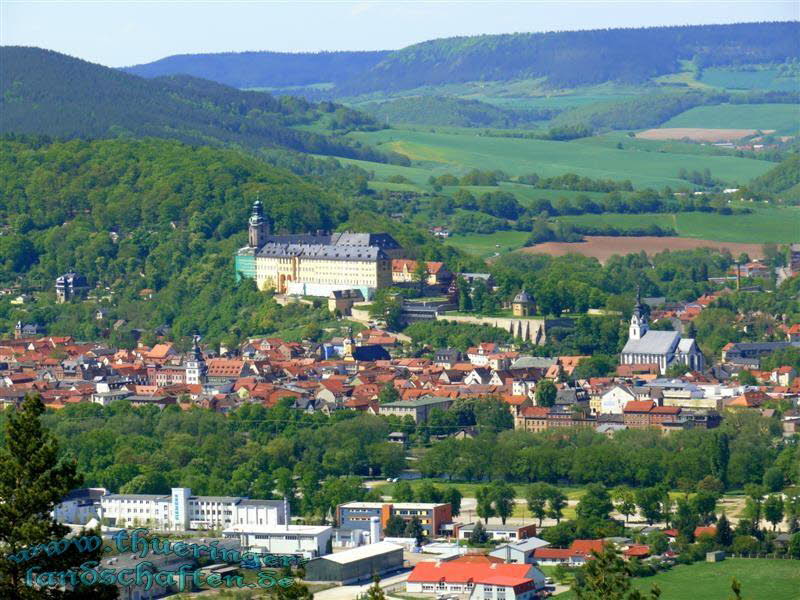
(356, 564)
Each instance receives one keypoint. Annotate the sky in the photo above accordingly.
(121, 32)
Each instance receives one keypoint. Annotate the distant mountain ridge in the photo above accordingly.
(47, 93)
(565, 59)
(264, 69)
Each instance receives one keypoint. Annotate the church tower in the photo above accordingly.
(258, 226)
(196, 367)
(348, 346)
(638, 319)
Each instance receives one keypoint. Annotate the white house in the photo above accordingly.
(614, 400)
(307, 540)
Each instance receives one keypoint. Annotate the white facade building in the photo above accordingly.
(307, 540)
(664, 348)
(182, 511)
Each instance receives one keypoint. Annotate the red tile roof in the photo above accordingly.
(638, 406)
(463, 572)
(585, 547)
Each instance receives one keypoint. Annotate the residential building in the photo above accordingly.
(71, 285)
(496, 531)
(520, 552)
(418, 408)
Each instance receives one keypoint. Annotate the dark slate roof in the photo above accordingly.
(380, 240)
(522, 298)
(370, 353)
(323, 252)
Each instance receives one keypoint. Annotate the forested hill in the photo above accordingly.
(572, 58)
(566, 58)
(264, 69)
(44, 92)
(177, 213)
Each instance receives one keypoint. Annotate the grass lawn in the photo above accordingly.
(765, 224)
(451, 152)
(761, 579)
(784, 118)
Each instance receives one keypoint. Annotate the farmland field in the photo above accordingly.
(761, 579)
(458, 153)
(604, 247)
(784, 118)
(761, 79)
(765, 224)
(698, 134)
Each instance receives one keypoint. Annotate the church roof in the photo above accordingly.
(653, 342)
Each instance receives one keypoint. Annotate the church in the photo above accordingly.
(663, 348)
(315, 264)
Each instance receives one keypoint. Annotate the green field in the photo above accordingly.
(454, 153)
(784, 118)
(761, 579)
(766, 224)
(610, 140)
(485, 245)
(761, 79)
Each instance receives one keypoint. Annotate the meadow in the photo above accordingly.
(758, 79)
(780, 225)
(761, 579)
(485, 245)
(784, 118)
(447, 152)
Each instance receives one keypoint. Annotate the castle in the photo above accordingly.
(315, 264)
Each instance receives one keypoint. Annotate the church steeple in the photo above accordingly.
(259, 227)
(638, 325)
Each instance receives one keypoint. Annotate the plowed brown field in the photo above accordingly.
(604, 247)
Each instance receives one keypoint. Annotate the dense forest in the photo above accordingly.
(452, 112)
(566, 58)
(47, 93)
(781, 182)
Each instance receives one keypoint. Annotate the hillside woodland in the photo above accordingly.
(565, 59)
(47, 93)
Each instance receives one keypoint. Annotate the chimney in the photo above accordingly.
(287, 516)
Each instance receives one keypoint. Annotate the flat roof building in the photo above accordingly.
(357, 564)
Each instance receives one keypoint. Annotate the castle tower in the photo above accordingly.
(259, 227)
(638, 325)
(521, 305)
